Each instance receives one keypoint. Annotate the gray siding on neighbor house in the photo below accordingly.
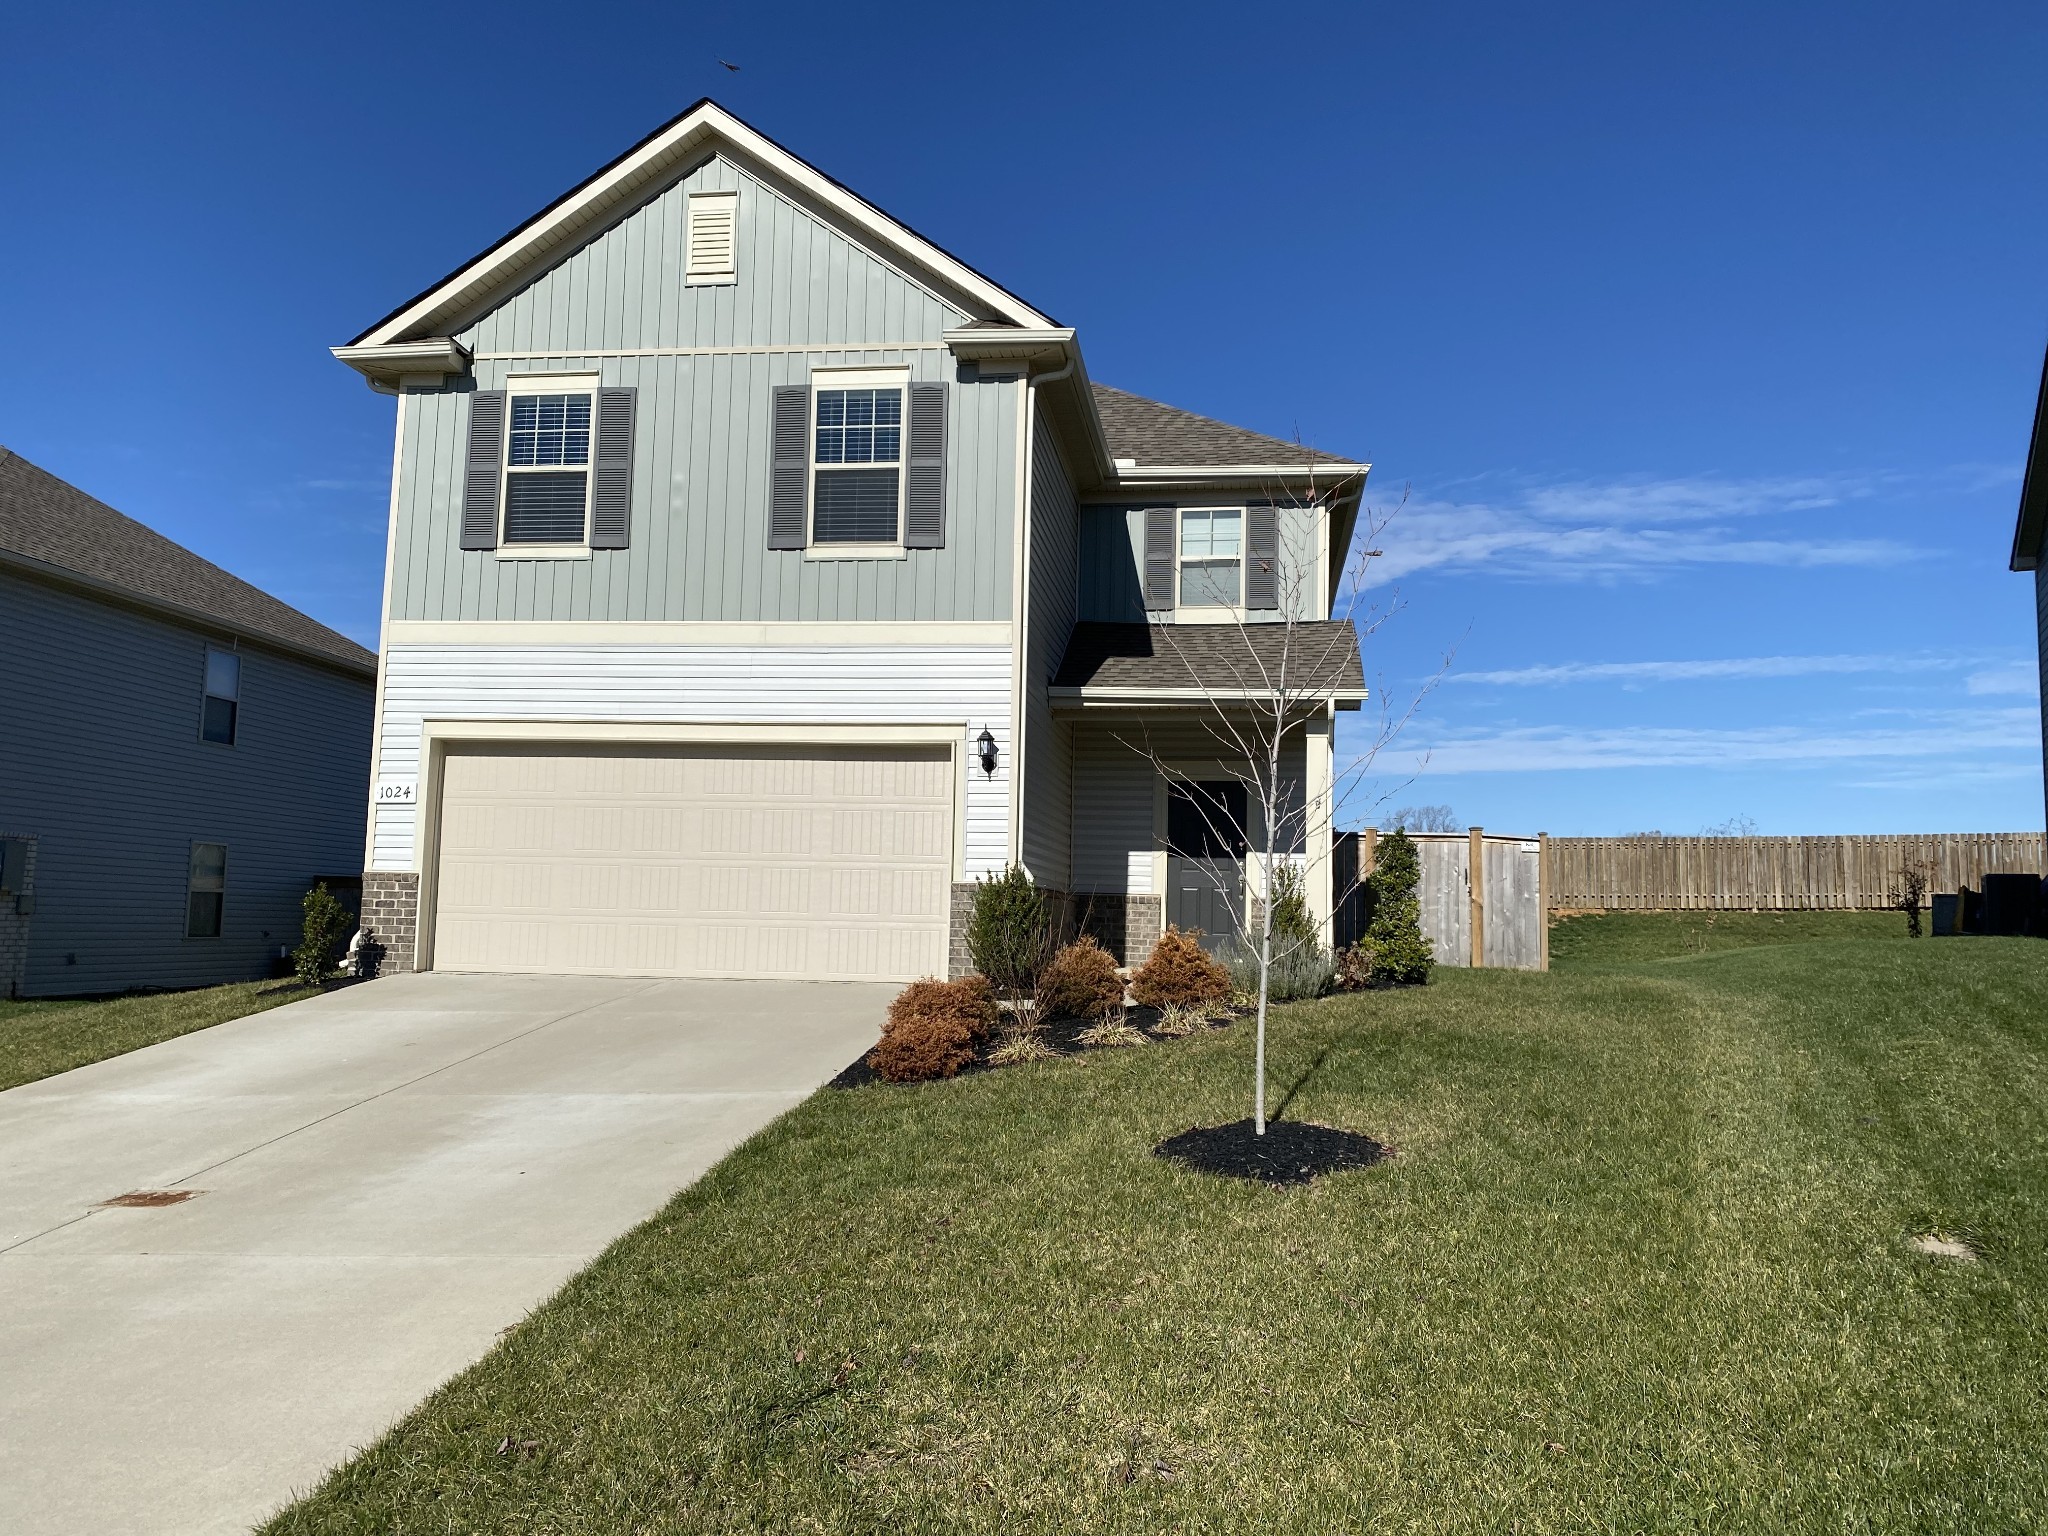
(1113, 558)
(101, 760)
(710, 357)
(1047, 829)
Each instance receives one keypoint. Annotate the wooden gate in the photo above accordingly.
(1508, 910)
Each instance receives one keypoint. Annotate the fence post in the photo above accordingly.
(1543, 900)
(1477, 881)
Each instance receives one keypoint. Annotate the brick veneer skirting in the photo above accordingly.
(391, 921)
(14, 923)
(1125, 925)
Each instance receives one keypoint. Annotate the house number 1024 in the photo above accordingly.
(398, 792)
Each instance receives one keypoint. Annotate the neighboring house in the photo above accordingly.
(761, 576)
(180, 754)
(2030, 547)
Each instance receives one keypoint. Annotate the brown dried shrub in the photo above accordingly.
(1080, 982)
(933, 1028)
(1179, 973)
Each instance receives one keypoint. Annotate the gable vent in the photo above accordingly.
(714, 237)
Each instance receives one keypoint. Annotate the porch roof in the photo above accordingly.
(1204, 663)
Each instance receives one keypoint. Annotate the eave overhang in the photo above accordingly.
(1051, 354)
(1305, 703)
(428, 362)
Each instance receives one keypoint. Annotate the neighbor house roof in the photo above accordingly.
(2030, 536)
(55, 530)
(1152, 433)
(1195, 662)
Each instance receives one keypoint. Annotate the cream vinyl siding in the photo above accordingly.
(828, 863)
(788, 687)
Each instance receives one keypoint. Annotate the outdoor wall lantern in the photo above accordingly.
(986, 745)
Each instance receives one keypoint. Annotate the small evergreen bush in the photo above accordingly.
(933, 1029)
(1011, 932)
(1079, 982)
(1181, 972)
(1400, 954)
(324, 923)
(1294, 929)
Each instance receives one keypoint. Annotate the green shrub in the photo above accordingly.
(1011, 934)
(1294, 929)
(1400, 954)
(321, 932)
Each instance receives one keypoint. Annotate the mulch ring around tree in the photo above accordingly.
(1061, 1036)
(1291, 1151)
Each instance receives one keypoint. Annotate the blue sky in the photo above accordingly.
(1703, 340)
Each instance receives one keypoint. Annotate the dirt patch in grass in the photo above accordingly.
(1291, 1151)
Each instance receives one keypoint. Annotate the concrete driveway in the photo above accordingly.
(390, 1175)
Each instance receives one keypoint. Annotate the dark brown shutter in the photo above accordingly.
(1262, 557)
(611, 489)
(924, 493)
(790, 469)
(1159, 559)
(484, 472)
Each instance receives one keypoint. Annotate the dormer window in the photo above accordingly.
(1212, 557)
(713, 237)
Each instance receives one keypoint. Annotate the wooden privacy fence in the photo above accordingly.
(1772, 873)
(1500, 921)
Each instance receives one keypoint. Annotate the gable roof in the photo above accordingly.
(2030, 534)
(1153, 433)
(654, 162)
(54, 529)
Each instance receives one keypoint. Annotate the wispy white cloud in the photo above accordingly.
(1588, 529)
(1935, 734)
(1716, 668)
(2017, 677)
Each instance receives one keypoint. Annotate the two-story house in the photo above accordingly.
(761, 576)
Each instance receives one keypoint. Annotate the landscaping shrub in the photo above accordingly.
(1400, 954)
(320, 934)
(1080, 982)
(1294, 973)
(1011, 932)
(1180, 971)
(1293, 927)
(1354, 967)
(933, 1028)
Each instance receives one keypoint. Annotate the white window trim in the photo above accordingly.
(725, 278)
(1212, 613)
(545, 384)
(855, 378)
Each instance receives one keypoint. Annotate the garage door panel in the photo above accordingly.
(734, 862)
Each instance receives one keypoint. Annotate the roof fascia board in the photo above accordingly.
(634, 173)
(1309, 700)
(192, 618)
(1210, 474)
(432, 357)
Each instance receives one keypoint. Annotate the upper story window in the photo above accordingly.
(857, 463)
(218, 714)
(1212, 557)
(547, 466)
(206, 887)
(714, 238)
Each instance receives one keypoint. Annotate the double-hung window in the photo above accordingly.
(547, 466)
(1212, 557)
(857, 460)
(206, 888)
(218, 713)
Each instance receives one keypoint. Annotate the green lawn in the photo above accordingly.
(41, 1039)
(1641, 1264)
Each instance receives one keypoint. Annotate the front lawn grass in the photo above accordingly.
(42, 1038)
(1641, 1264)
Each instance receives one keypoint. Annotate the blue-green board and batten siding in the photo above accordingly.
(805, 296)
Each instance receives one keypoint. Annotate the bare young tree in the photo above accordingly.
(1255, 701)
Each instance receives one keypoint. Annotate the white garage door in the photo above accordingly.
(814, 862)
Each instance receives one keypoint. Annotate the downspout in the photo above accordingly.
(1022, 691)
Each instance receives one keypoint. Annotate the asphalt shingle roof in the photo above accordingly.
(1225, 658)
(45, 520)
(1152, 433)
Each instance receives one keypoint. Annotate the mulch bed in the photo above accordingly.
(1291, 1151)
(1062, 1036)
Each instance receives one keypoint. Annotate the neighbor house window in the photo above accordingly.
(547, 468)
(857, 464)
(217, 716)
(205, 889)
(1211, 557)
